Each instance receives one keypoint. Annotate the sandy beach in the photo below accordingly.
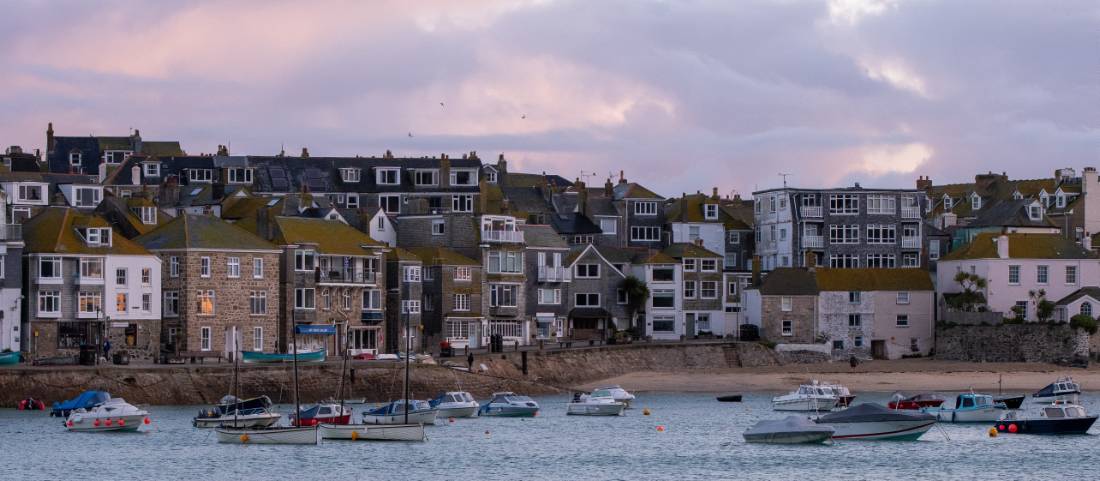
(880, 376)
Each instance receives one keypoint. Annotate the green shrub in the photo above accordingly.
(1083, 321)
(768, 344)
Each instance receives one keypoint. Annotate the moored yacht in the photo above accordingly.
(1057, 418)
(808, 397)
(599, 403)
(618, 394)
(455, 404)
(873, 421)
(230, 411)
(969, 408)
(114, 414)
(1064, 386)
(509, 404)
(844, 397)
(326, 412)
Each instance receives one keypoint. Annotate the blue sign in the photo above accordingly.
(320, 329)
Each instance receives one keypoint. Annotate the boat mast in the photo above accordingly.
(408, 348)
(344, 368)
(297, 402)
(236, 379)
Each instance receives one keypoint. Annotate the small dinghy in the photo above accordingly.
(915, 402)
(730, 398)
(31, 404)
(789, 430)
(599, 403)
(114, 414)
(873, 421)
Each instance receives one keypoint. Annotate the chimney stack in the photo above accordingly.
(714, 193)
(49, 138)
(305, 153)
(1002, 246)
(608, 188)
(924, 183)
(444, 169)
(582, 197)
(622, 180)
(223, 151)
(502, 165)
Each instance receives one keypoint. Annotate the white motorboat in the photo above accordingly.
(114, 414)
(509, 405)
(844, 397)
(1060, 417)
(272, 435)
(1057, 390)
(420, 412)
(808, 397)
(969, 408)
(373, 432)
(233, 412)
(455, 404)
(600, 403)
(872, 421)
(618, 394)
(789, 430)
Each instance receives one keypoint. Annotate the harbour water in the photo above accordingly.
(687, 436)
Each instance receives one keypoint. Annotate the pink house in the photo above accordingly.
(1017, 264)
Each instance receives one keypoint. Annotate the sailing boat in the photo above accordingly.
(294, 434)
(375, 432)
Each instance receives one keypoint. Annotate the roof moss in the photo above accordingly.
(330, 236)
(1021, 246)
(899, 279)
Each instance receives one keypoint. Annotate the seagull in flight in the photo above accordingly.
(441, 105)
(410, 134)
(524, 116)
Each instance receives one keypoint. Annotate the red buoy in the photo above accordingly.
(108, 422)
(146, 420)
(1001, 427)
(121, 422)
(96, 423)
(69, 423)
(1012, 428)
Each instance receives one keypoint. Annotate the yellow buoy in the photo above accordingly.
(992, 432)
(354, 435)
(645, 411)
(244, 438)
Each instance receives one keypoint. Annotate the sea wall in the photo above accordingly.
(1032, 342)
(548, 372)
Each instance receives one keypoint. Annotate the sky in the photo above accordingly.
(681, 95)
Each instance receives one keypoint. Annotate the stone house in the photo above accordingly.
(881, 313)
(220, 286)
(595, 296)
(663, 275)
(85, 285)
(548, 280)
(452, 298)
(703, 282)
(404, 276)
(788, 306)
(505, 282)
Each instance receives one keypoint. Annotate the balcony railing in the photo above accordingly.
(553, 274)
(910, 213)
(511, 236)
(910, 242)
(11, 232)
(811, 211)
(346, 276)
(813, 241)
(504, 311)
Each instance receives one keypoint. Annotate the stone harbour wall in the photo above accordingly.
(1033, 342)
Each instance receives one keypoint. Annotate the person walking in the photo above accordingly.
(107, 349)
(470, 361)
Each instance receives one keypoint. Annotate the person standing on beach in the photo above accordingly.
(470, 361)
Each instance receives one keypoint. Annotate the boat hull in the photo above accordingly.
(130, 423)
(415, 417)
(804, 404)
(456, 412)
(886, 430)
(509, 411)
(280, 435)
(982, 415)
(1048, 426)
(595, 409)
(790, 438)
(1010, 402)
(9, 358)
(253, 357)
(241, 421)
(731, 398)
(368, 432)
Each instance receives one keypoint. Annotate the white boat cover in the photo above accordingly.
(872, 413)
(789, 424)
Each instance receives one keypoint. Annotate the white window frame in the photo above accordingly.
(462, 302)
(713, 289)
(903, 297)
(462, 274)
(691, 290)
(205, 338)
(350, 174)
(382, 175)
(233, 267)
(645, 233)
(257, 299)
(902, 321)
(609, 225)
(472, 173)
(439, 227)
(305, 298)
(645, 207)
(787, 327)
(843, 204)
(257, 338)
(204, 267)
(257, 268)
(710, 211)
(171, 303)
(384, 201)
(587, 296)
(305, 260)
(786, 304)
(173, 266)
(462, 203)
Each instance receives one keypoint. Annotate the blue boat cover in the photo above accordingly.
(324, 329)
(85, 400)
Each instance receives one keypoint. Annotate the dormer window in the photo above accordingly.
(97, 236)
(152, 169)
(1045, 198)
(975, 202)
(30, 193)
(947, 202)
(1035, 212)
(240, 175)
(148, 215)
(350, 175)
(491, 176)
(645, 208)
(460, 177)
(710, 211)
(200, 175)
(116, 156)
(427, 177)
(387, 176)
(86, 196)
(1017, 195)
(75, 158)
(1060, 201)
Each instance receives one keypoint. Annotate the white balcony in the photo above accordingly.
(509, 236)
(553, 274)
(813, 241)
(811, 211)
(910, 242)
(910, 213)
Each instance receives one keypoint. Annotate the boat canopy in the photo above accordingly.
(789, 424)
(869, 413)
(85, 400)
(322, 329)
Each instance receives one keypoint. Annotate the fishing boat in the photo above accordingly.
(915, 402)
(1064, 386)
(253, 357)
(419, 412)
(293, 434)
(114, 414)
(9, 358)
(970, 408)
(455, 404)
(328, 413)
(509, 405)
(86, 400)
(789, 430)
(233, 412)
(1057, 418)
(844, 397)
(599, 403)
(874, 421)
(618, 394)
(808, 397)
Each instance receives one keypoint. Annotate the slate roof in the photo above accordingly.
(330, 237)
(1021, 246)
(789, 281)
(92, 148)
(689, 209)
(1009, 213)
(613, 255)
(441, 256)
(542, 236)
(632, 190)
(523, 180)
(54, 230)
(574, 223)
(681, 250)
(1091, 291)
(898, 279)
(994, 189)
(322, 174)
(202, 232)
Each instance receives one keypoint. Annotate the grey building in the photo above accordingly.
(452, 297)
(404, 272)
(548, 280)
(596, 299)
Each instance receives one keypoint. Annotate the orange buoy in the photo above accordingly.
(992, 432)
(354, 435)
(1012, 428)
(244, 438)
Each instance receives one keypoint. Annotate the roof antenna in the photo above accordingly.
(784, 176)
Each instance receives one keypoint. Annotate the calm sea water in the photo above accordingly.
(701, 440)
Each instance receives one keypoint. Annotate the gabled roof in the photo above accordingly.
(789, 281)
(1091, 291)
(542, 236)
(330, 236)
(124, 214)
(632, 190)
(54, 231)
(202, 232)
(574, 223)
(898, 279)
(1021, 246)
(681, 250)
(441, 256)
(403, 255)
(1008, 213)
(609, 255)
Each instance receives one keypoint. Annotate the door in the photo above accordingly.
(233, 342)
(878, 349)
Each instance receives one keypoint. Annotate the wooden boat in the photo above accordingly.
(252, 357)
(9, 358)
(328, 413)
(730, 398)
(916, 401)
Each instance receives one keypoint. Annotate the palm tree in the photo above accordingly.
(637, 293)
